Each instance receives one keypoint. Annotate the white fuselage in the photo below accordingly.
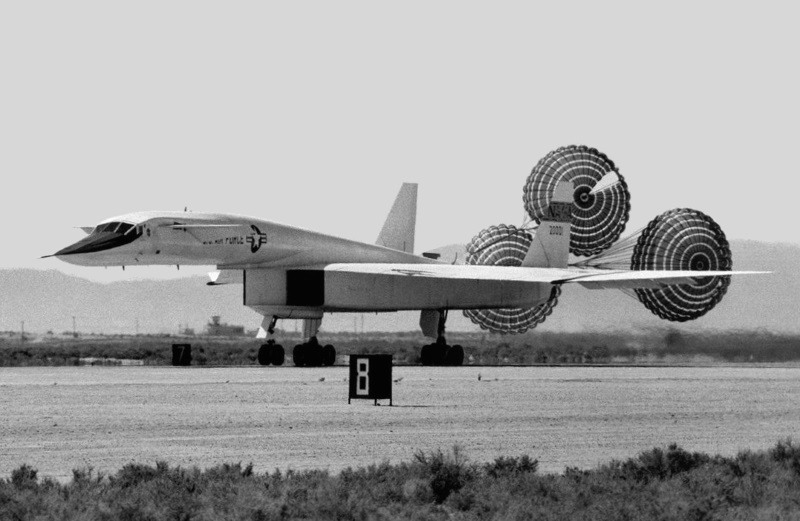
(283, 267)
(169, 238)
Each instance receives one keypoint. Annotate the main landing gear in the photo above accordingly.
(308, 354)
(312, 354)
(439, 353)
(271, 353)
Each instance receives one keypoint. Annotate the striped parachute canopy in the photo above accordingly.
(601, 198)
(683, 239)
(505, 245)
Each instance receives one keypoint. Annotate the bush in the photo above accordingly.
(504, 466)
(658, 464)
(135, 474)
(446, 473)
(786, 453)
(24, 477)
(668, 484)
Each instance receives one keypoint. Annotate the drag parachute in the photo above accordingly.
(680, 239)
(601, 198)
(683, 239)
(505, 245)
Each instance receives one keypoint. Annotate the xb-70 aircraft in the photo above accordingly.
(679, 266)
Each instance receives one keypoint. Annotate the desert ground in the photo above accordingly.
(60, 418)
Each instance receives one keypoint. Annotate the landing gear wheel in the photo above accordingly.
(442, 355)
(264, 357)
(299, 355)
(313, 352)
(433, 354)
(271, 353)
(454, 356)
(328, 355)
(276, 354)
(439, 353)
(425, 355)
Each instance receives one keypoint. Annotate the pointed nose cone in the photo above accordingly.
(96, 243)
(92, 243)
(73, 248)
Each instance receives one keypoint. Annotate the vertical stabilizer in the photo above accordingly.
(398, 230)
(550, 246)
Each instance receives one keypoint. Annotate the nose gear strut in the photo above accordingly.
(271, 353)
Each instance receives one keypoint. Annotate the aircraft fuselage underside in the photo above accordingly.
(306, 293)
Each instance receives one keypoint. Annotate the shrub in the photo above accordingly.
(24, 477)
(505, 466)
(662, 483)
(658, 464)
(446, 473)
(134, 474)
(787, 453)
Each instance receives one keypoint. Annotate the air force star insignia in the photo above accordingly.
(256, 239)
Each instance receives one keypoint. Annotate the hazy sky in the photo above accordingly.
(314, 113)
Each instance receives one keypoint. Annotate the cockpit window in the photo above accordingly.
(105, 237)
(112, 227)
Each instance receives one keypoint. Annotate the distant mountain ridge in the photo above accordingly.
(47, 300)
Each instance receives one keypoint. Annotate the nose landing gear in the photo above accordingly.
(271, 353)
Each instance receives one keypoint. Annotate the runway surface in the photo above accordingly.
(58, 419)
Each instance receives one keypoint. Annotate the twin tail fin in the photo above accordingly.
(550, 246)
(398, 230)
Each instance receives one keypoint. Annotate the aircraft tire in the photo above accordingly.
(328, 355)
(277, 354)
(439, 354)
(425, 354)
(454, 356)
(299, 355)
(264, 357)
(313, 354)
(433, 354)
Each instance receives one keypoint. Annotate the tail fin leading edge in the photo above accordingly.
(550, 246)
(398, 230)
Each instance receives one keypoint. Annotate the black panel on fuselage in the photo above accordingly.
(305, 287)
